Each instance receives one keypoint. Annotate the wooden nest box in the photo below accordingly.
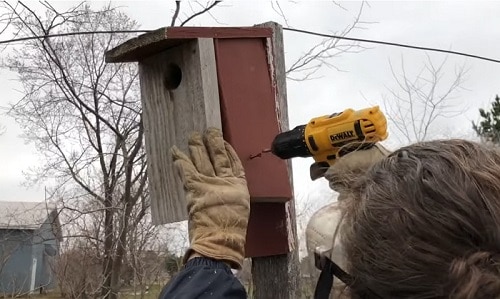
(232, 78)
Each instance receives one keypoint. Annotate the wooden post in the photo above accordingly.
(250, 101)
(278, 276)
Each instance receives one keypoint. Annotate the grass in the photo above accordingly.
(154, 291)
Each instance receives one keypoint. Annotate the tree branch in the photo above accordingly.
(176, 12)
(205, 10)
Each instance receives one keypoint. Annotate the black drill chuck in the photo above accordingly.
(291, 144)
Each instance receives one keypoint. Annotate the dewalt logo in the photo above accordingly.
(342, 136)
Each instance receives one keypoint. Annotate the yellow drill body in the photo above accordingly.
(325, 138)
(326, 135)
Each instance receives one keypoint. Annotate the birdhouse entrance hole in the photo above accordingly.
(173, 76)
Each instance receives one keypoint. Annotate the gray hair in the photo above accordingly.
(425, 223)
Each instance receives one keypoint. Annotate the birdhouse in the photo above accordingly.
(232, 78)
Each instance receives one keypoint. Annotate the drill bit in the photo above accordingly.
(266, 150)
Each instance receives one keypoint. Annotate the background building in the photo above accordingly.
(30, 233)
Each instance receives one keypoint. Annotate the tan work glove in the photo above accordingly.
(350, 167)
(217, 197)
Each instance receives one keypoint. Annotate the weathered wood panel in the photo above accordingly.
(171, 113)
(278, 276)
(248, 108)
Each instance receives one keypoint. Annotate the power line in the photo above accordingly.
(21, 39)
(392, 44)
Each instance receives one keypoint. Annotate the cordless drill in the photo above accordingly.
(329, 137)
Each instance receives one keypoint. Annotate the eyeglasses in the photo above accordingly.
(329, 270)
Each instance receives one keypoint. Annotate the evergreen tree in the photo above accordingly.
(489, 127)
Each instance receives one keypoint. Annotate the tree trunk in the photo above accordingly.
(120, 252)
(106, 291)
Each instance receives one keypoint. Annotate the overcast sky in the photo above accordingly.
(461, 26)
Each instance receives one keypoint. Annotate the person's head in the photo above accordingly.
(424, 222)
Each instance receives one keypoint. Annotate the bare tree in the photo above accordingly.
(145, 259)
(321, 54)
(201, 10)
(84, 245)
(74, 280)
(84, 117)
(419, 101)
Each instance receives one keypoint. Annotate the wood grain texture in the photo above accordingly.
(171, 115)
(158, 40)
(278, 276)
(279, 79)
(248, 107)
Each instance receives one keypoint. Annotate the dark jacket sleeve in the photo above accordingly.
(204, 278)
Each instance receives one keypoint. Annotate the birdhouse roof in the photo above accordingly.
(158, 40)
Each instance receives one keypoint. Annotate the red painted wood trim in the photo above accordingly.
(267, 231)
(248, 109)
(217, 32)
(250, 123)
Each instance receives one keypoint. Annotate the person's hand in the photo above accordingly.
(324, 227)
(352, 166)
(217, 197)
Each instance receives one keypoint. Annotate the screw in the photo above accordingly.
(267, 150)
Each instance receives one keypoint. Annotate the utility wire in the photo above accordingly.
(392, 44)
(284, 28)
(21, 39)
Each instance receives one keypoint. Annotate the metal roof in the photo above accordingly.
(24, 215)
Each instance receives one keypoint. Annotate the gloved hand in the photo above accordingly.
(217, 197)
(324, 227)
(350, 167)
